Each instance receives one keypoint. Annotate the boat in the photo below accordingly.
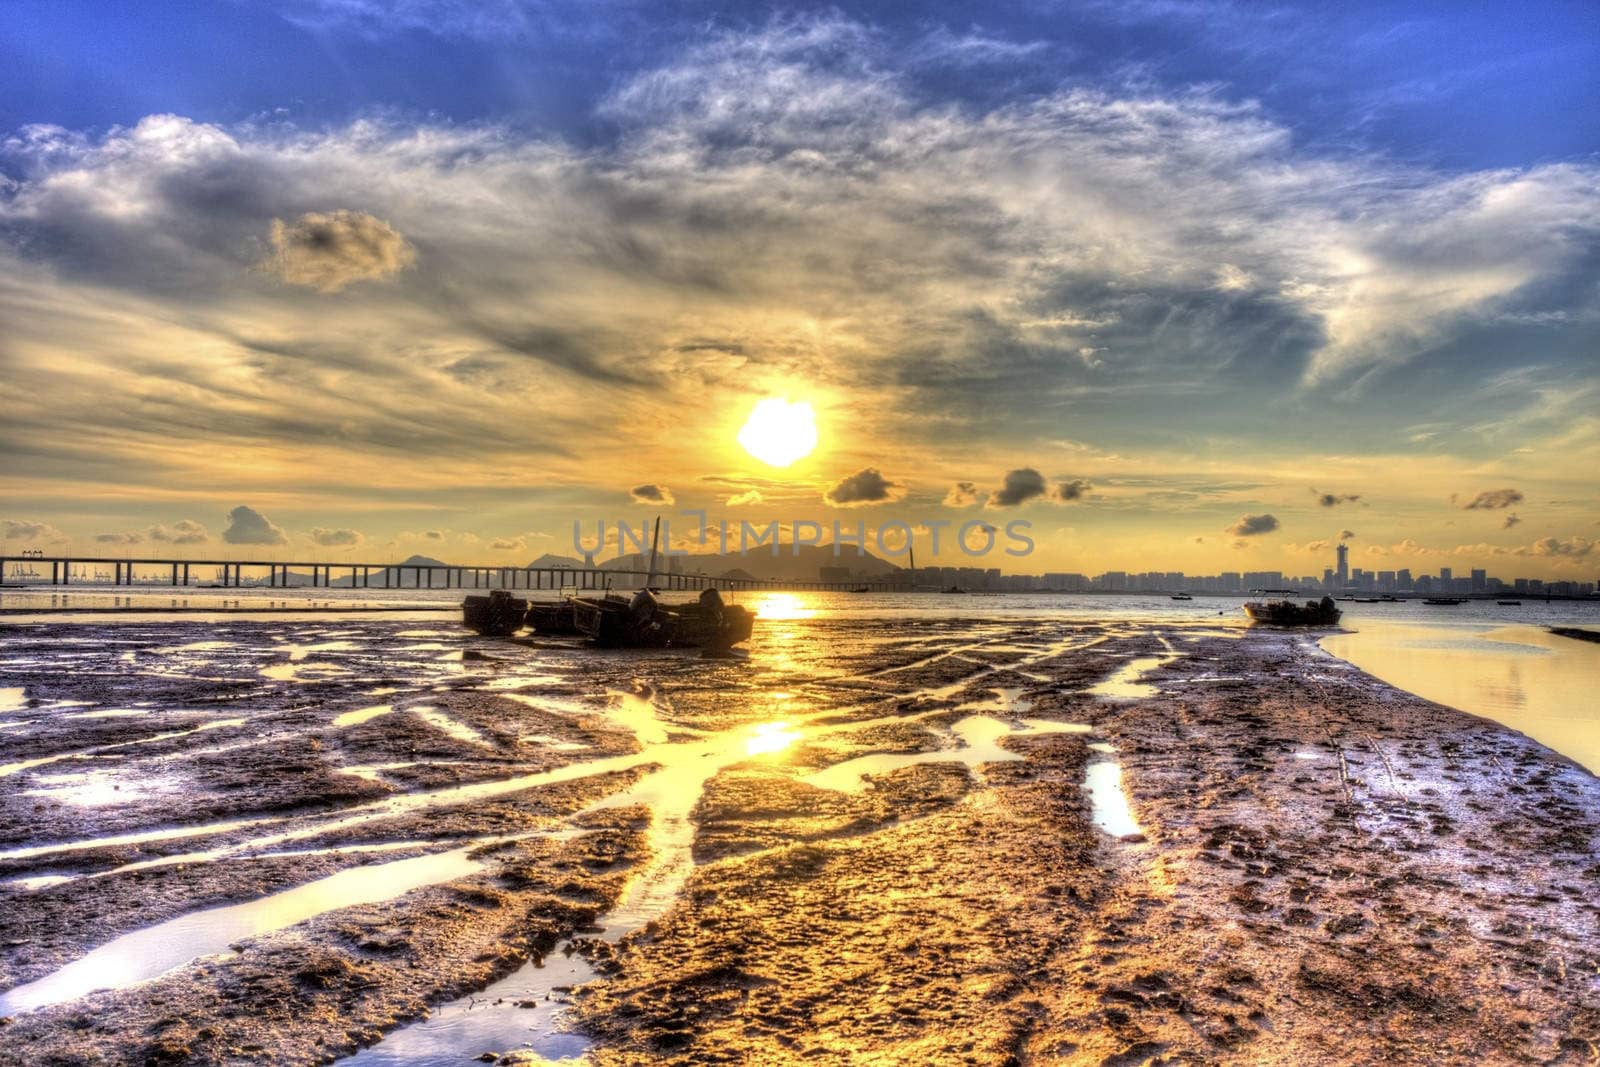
(1287, 613)
(553, 618)
(615, 621)
(497, 615)
(955, 589)
(643, 621)
(1509, 603)
(860, 589)
(1444, 601)
(1181, 596)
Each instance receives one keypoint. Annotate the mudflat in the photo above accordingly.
(920, 840)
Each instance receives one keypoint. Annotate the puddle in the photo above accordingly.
(41, 761)
(445, 724)
(1308, 755)
(1110, 811)
(108, 713)
(979, 737)
(38, 881)
(100, 788)
(523, 1011)
(12, 698)
(1125, 683)
(155, 950)
(361, 715)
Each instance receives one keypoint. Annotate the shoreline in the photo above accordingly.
(1328, 867)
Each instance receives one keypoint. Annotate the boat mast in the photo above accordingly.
(655, 541)
(911, 548)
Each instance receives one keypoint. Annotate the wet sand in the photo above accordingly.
(932, 841)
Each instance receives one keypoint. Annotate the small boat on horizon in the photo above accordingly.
(1181, 596)
(1444, 601)
(1509, 603)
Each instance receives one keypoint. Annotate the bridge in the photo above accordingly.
(71, 570)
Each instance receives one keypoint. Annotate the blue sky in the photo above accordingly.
(1207, 257)
(1458, 84)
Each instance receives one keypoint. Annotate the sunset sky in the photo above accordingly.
(1192, 286)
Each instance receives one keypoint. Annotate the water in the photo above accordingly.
(155, 950)
(1523, 676)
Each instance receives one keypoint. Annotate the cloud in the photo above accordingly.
(1511, 520)
(866, 486)
(945, 267)
(328, 251)
(1251, 525)
(749, 496)
(509, 544)
(1329, 500)
(336, 538)
(125, 537)
(182, 532)
(1492, 499)
(651, 494)
(1021, 485)
(1571, 547)
(433, 535)
(30, 530)
(1070, 491)
(961, 495)
(247, 526)
(1346, 535)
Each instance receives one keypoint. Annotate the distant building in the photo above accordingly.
(1341, 570)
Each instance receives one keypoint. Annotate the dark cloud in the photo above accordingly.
(182, 532)
(1067, 492)
(651, 494)
(327, 251)
(1572, 547)
(336, 538)
(1493, 500)
(125, 537)
(863, 487)
(961, 495)
(1511, 520)
(1022, 484)
(1346, 535)
(1329, 500)
(434, 535)
(30, 530)
(247, 526)
(1251, 525)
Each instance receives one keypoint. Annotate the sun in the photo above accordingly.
(779, 432)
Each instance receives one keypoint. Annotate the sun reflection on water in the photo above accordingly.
(783, 606)
(770, 737)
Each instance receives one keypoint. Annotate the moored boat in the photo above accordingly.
(1287, 613)
(497, 615)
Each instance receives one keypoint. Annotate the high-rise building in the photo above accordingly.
(1341, 570)
(1480, 580)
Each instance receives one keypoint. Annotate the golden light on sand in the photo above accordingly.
(770, 737)
(779, 432)
(780, 606)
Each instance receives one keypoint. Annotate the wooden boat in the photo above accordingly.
(497, 615)
(1287, 613)
(1181, 596)
(553, 619)
(614, 621)
(1444, 601)
(1509, 603)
